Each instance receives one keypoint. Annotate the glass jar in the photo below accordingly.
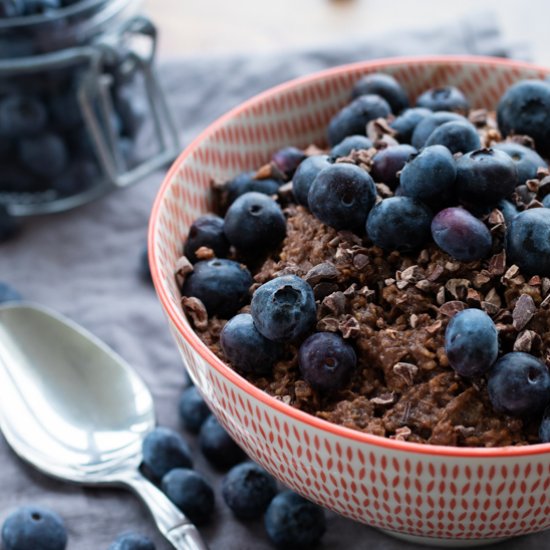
(78, 90)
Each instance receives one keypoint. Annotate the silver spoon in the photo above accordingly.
(74, 409)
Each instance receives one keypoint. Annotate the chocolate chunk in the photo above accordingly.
(524, 311)
(196, 312)
(457, 288)
(497, 264)
(328, 324)
(325, 271)
(527, 340)
(407, 371)
(384, 399)
(451, 308)
(321, 290)
(496, 217)
(204, 253)
(183, 268)
(334, 304)
(349, 327)
(360, 261)
(493, 298)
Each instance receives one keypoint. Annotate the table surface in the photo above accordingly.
(216, 26)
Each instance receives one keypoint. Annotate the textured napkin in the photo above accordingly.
(84, 264)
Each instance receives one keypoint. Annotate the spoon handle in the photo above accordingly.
(170, 521)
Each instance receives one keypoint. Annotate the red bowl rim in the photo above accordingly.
(187, 332)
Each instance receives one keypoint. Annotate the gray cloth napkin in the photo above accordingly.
(84, 264)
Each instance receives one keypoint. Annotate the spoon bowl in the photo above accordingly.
(74, 409)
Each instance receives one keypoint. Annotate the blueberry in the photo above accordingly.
(287, 160)
(349, 144)
(527, 160)
(82, 174)
(471, 342)
(407, 121)
(509, 211)
(446, 98)
(131, 112)
(546, 201)
(9, 227)
(429, 123)
(221, 285)
(191, 493)
(248, 489)
(353, 118)
(38, 7)
(461, 235)
(385, 86)
(163, 450)
(485, 176)
(34, 528)
(342, 196)
(22, 115)
(524, 108)
(389, 161)
(11, 8)
(65, 109)
(430, 176)
(284, 308)
(255, 223)
(193, 409)
(217, 446)
(9, 294)
(326, 361)
(459, 136)
(291, 521)
(305, 174)
(15, 178)
(245, 348)
(399, 223)
(528, 241)
(208, 231)
(246, 182)
(544, 430)
(519, 385)
(44, 155)
(132, 541)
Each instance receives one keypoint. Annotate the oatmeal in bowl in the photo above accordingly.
(354, 269)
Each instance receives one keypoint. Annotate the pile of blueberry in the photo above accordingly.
(402, 178)
(22, 8)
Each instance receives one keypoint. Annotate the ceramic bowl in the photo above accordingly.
(444, 496)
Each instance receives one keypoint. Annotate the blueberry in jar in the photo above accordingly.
(221, 285)
(246, 182)
(459, 136)
(246, 348)
(22, 115)
(132, 541)
(407, 121)
(284, 309)
(527, 160)
(471, 342)
(445, 98)
(353, 118)
(287, 160)
(247, 490)
(44, 155)
(291, 521)
(385, 86)
(430, 176)
(254, 223)
(305, 174)
(193, 409)
(519, 385)
(326, 361)
(163, 450)
(39, 7)
(388, 162)
(528, 241)
(342, 196)
(206, 231)
(217, 445)
(11, 8)
(399, 223)
(429, 123)
(485, 176)
(81, 174)
(349, 144)
(191, 493)
(524, 108)
(461, 235)
(34, 528)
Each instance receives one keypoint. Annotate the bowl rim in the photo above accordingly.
(176, 316)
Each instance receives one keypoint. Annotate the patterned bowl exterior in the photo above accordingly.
(447, 494)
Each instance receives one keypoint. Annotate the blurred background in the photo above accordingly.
(215, 26)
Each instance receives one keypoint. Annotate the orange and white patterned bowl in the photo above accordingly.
(446, 496)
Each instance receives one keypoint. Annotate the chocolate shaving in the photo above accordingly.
(489, 308)
(268, 171)
(481, 279)
(511, 272)
(412, 274)
(457, 288)
(378, 129)
(183, 268)
(328, 324)
(366, 292)
(321, 272)
(493, 298)
(496, 217)
(523, 311)
(527, 340)
(545, 285)
(204, 253)
(526, 141)
(401, 434)
(383, 190)
(434, 327)
(195, 310)
(360, 261)
(350, 327)
(449, 309)
(478, 117)
(321, 290)
(473, 298)
(334, 304)
(407, 371)
(383, 399)
(497, 264)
